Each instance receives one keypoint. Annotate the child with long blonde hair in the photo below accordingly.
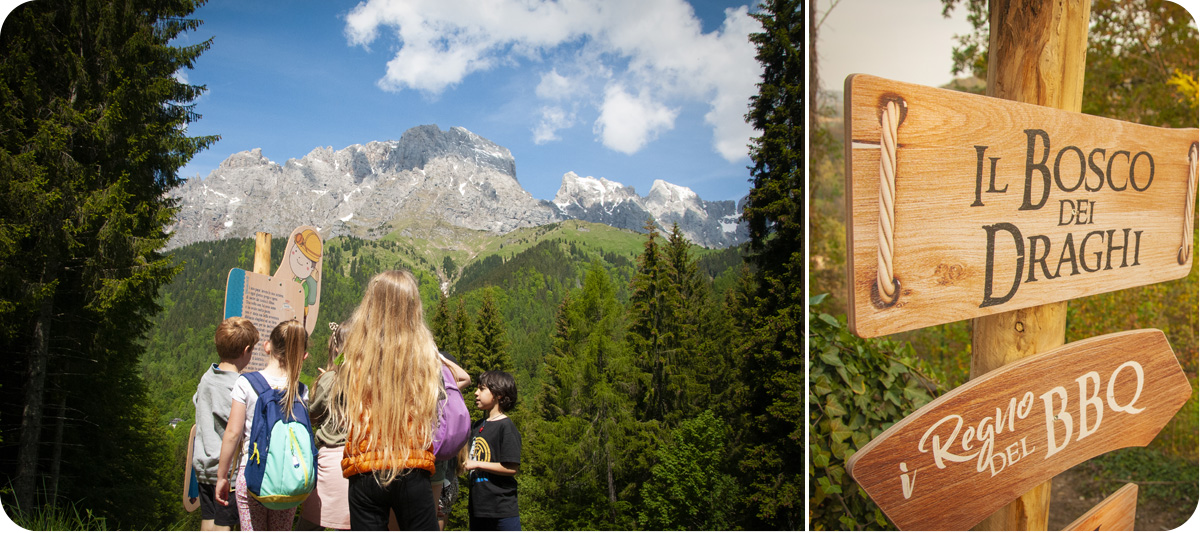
(286, 348)
(386, 395)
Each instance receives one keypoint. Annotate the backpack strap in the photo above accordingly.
(258, 382)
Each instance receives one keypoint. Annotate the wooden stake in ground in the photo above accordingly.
(1036, 55)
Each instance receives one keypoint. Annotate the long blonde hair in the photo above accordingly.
(289, 343)
(388, 384)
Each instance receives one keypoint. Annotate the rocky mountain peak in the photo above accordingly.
(712, 224)
(421, 144)
(588, 192)
(246, 159)
(453, 176)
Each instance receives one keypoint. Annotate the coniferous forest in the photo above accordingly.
(660, 384)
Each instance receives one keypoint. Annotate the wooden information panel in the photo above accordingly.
(999, 205)
(974, 449)
(1116, 513)
(294, 292)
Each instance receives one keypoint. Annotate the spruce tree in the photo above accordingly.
(647, 328)
(590, 451)
(94, 125)
(464, 341)
(491, 349)
(691, 321)
(771, 363)
(440, 324)
(557, 376)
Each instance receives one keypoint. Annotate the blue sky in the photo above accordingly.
(628, 90)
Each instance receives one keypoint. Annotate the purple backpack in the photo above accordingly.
(453, 425)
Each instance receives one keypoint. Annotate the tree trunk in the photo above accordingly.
(1036, 55)
(25, 483)
(612, 490)
(56, 453)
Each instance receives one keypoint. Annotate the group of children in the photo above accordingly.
(372, 411)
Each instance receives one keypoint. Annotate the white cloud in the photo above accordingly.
(554, 118)
(554, 86)
(628, 122)
(654, 49)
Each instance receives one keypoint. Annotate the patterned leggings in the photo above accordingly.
(252, 516)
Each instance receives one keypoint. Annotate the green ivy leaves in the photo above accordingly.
(857, 388)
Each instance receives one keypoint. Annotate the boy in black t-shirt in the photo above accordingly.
(495, 456)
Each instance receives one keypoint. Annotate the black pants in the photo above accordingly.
(409, 496)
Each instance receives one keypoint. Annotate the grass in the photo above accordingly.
(57, 518)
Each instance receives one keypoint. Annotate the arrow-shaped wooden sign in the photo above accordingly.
(961, 205)
(1116, 513)
(966, 454)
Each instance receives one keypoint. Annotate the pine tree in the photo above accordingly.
(557, 376)
(687, 489)
(464, 341)
(649, 331)
(440, 324)
(771, 364)
(691, 321)
(667, 308)
(491, 349)
(94, 127)
(589, 454)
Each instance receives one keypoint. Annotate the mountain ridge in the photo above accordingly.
(370, 190)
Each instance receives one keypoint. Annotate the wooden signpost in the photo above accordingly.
(988, 205)
(961, 457)
(293, 292)
(1116, 513)
(1000, 209)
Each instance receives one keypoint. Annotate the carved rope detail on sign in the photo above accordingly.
(889, 124)
(991, 205)
(1185, 248)
(968, 453)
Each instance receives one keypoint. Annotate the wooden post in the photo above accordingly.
(1036, 55)
(262, 253)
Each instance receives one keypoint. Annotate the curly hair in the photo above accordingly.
(503, 387)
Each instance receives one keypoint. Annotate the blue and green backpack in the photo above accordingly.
(281, 466)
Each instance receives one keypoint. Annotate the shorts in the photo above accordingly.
(439, 471)
(221, 515)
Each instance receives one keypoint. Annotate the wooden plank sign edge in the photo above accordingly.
(1117, 512)
(189, 504)
(971, 207)
(966, 454)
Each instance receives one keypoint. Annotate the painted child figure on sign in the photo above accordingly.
(303, 258)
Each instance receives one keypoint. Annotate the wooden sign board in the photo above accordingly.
(190, 504)
(293, 292)
(1000, 205)
(966, 454)
(1115, 513)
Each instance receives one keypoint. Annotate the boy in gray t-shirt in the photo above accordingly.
(235, 341)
